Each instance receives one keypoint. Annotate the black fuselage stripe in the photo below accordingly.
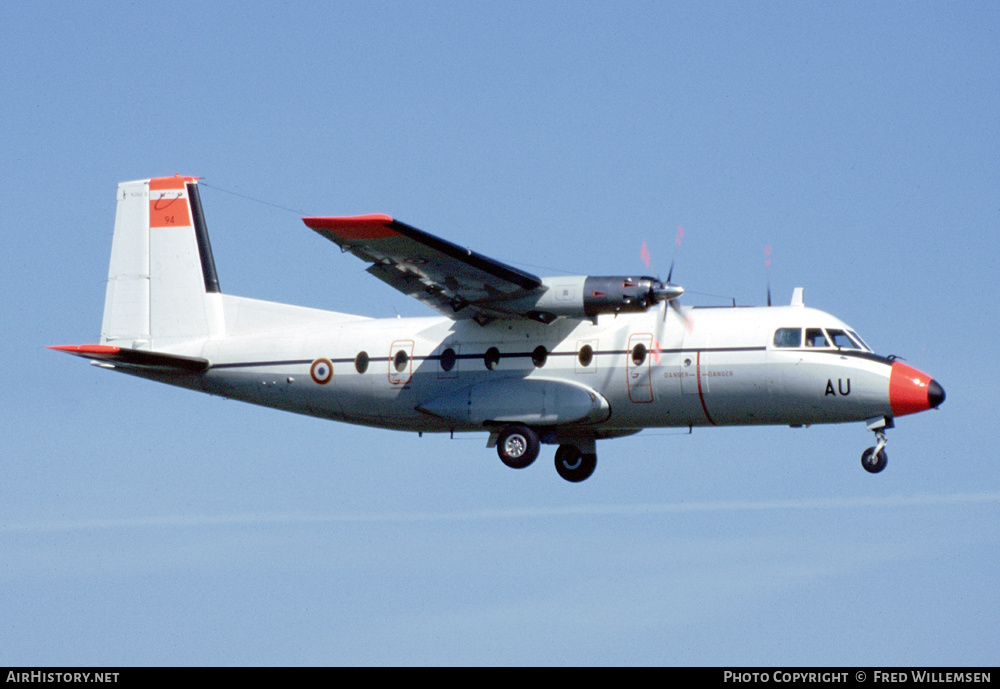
(479, 357)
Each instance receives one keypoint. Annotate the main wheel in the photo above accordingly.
(518, 446)
(573, 465)
(874, 463)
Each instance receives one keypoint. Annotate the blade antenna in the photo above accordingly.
(767, 266)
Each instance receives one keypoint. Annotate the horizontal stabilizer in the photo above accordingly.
(137, 358)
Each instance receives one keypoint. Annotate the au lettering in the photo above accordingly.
(840, 387)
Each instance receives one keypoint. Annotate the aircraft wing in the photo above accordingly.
(453, 280)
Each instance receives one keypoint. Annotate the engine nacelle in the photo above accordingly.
(583, 296)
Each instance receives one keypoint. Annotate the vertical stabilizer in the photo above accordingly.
(162, 286)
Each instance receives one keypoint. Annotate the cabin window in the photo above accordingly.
(361, 362)
(788, 337)
(400, 361)
(586, 355)
(492, 358)
(448, 359)
(539, 356)
(639, 354)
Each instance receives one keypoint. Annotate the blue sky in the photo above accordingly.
(141, 524)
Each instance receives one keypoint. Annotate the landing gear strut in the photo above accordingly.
(874, 459)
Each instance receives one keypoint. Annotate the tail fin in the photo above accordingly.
(162, 285)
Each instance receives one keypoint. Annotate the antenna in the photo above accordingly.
(767, 266)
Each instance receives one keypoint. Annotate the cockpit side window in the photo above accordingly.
(841, 340)
(815, 338)
(862, 343)
(788, 337)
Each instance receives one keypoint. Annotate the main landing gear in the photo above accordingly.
(874, 459)
(518, 446)
(574, 465)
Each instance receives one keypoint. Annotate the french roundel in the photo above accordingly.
(321, 371)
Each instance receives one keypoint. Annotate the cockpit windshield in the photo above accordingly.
(815, 338)
(818, 338)
(841, 340)
(857, 338)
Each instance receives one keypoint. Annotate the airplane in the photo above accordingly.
(563, 361)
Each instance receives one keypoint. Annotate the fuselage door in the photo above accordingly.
(400, 362)
(637, 367)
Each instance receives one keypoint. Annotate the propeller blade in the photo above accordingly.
(666, 293)
(688, 321)
(660, 324)
(665, 308)
(678, 239)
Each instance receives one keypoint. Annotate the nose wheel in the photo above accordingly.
(874, 459)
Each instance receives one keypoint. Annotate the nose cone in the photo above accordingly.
(911, 391)
(935, 393)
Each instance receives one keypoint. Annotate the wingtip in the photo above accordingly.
(374, 226)
(347, 220)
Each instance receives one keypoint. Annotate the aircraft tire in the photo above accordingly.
(518, 446)
(874, 463)
(573, 465)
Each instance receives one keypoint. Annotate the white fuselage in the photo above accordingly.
(566, 361)
(721, 368)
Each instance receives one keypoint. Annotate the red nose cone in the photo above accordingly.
(911, 391)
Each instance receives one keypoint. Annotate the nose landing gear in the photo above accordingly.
(874, 459)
